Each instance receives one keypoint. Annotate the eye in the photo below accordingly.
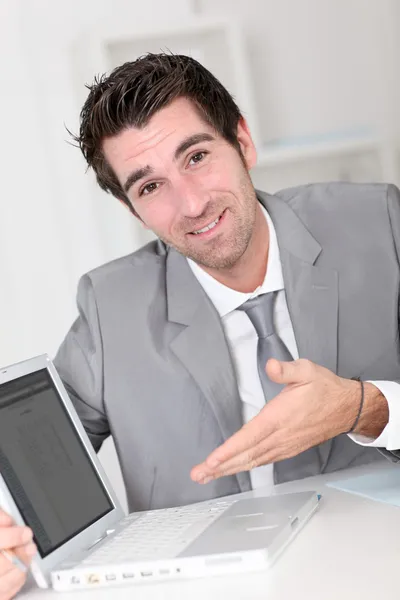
(148, 189)
(198, 157)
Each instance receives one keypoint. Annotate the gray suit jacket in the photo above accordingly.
(147, 361)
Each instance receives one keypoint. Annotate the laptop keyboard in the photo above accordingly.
(158, 534)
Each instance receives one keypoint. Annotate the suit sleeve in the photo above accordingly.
(79, 362)
(393, 204)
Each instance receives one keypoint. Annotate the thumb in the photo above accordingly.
(286, 372)
(26, 552)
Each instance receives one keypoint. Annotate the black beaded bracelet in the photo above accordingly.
(361, 405)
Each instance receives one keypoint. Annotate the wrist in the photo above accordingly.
(351, 404)
(375, 414)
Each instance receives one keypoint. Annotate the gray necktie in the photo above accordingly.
(260, 311)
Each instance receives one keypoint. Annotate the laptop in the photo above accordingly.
(52, 481)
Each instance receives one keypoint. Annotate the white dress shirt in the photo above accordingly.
(242, 340)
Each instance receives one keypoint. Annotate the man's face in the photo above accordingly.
(187, 184)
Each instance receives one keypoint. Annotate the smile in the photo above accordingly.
(207, 227)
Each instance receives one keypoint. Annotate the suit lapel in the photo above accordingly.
(202, 348)
(311, 290)
(312, 298)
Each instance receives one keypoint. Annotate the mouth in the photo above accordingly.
(209, 229)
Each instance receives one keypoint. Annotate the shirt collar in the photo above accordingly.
(224, 298)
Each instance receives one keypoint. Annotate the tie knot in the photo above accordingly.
(260, 311)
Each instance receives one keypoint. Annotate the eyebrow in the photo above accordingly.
(192, 140)
(136, 175)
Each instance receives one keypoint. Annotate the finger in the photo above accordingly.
(290, 372)
(272, 450)
(26, 553)
(5, 519)
(270, 456)
(11, 537)
(246, 461)
(5, 566)
(232, 469)
(13, 592)
(11, 582)
(273, 369)
(247, 437)
(17, 589)
(243, 462)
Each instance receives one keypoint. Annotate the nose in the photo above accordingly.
(192, 198)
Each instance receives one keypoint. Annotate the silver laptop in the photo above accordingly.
(52, 481)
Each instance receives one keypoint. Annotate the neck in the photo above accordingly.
(249, 271)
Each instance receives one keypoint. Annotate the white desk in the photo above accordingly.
(350, 549)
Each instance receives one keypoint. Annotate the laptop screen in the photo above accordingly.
(44, 463)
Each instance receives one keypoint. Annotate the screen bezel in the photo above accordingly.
(42, 567)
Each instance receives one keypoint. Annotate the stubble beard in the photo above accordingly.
(226, 249)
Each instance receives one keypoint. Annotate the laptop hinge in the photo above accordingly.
(100, 539)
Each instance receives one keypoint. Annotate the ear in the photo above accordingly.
(246, 143)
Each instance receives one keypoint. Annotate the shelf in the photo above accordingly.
(217, 43)
(275, 154)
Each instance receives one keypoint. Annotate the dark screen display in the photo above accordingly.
(44, 463)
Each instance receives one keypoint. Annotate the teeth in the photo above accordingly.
(210, 226)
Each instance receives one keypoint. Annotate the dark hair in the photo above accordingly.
(133, 92)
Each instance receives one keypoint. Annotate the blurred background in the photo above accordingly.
(318, 81)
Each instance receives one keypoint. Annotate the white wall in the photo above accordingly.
(317, 65)
(52, 226)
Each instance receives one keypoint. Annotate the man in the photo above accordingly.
(186, 351)
(160, 356)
